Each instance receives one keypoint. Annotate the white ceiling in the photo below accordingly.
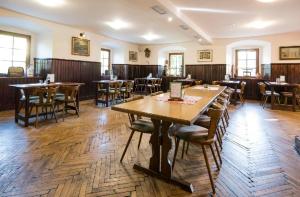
(284, 13)
(91, 15)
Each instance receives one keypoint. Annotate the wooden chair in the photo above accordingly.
(215, 82)
(68, 100)
(150, 86)
(241, 92)
(115, 91)
(158, 85)
(139, 85)
(127, 89)
(137, 124)
(265, 94)
(198, 82)
(32, 97)
(46, 99)
(202, 136)
(287, 95)
(101, 92)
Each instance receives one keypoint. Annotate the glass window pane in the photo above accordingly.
(6, 41)
(5, 54)
(251, 55)
(4, 65)
(242, 55)
(19, 55)
(251, 64)
(20, 43)
(19, 64)
(242, 64)
(105, 62)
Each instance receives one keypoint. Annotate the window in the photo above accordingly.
(14, 50)
(176, 64)
(247, 62)
(105, 60)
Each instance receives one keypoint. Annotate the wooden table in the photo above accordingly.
(163, 114)
(274, 85)
(232, 84)
(27, 89)
(186, 81)
(106, 84)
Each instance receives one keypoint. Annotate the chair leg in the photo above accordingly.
(183, 147)
(76, 108)
(218, 152)
(214, 156)
(208, 169)
(141, 135)
(266, 100)
(36, 116)
(177, 140)
(187, 147)
(53, 113)
(128, 142)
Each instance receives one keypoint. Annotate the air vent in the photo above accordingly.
(184, 27)
(159, 9)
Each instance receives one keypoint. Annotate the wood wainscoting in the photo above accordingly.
(131, 71)
(206, 72)
(7, 93)
(71, 71)
(291, 71)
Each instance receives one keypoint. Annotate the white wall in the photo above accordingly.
(219, 49)
(52, 40)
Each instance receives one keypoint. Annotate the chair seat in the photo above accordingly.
(101, 90)
(269, 93)
(31, 98)
(191, 133)
(142, 126)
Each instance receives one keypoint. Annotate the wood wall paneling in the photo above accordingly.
(132, 71)
(290, 70)
(206, 72)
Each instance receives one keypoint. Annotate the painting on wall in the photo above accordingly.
(133, 56)
(80, 46)
(204, 55)
(289, 53)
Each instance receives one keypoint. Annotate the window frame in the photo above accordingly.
(28, 39)
(109, 58)
(237, 59)
(182, 66)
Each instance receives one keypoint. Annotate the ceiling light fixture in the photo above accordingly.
(209, 10)
(266, 1)
(170, 19)
(260, 24)
(117, 24)
(51, 3)
(200, 40)
(150, 36)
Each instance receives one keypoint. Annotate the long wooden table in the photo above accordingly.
(163, 114)
(27, 89)
(290, 86)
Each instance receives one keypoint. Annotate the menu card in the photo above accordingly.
(175, 90)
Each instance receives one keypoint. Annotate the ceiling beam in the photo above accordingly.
(167, 4)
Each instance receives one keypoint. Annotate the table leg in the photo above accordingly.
(106, 95)
(166, 168)
(17, 105)
(155, 142)
(77, 99)
(26, 121)
(96, 95)
(272, 98)
(235, 94)
(294, 99)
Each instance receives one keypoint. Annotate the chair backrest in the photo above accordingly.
(46, 95)
(198, 82)
(215, 82)
(101, 86)
(243, 85)
(129, 85)
(215, 116)
(131, 116)
(262, 87)
(70, 92)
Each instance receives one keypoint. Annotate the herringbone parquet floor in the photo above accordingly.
(80, 157)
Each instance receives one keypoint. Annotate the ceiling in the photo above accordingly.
(219, 19)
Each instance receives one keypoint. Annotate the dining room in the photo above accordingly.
(131, 98)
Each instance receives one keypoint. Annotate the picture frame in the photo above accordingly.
(80, 46)
(205, 55)
(289, 53)
(133, 56)
(175, 91)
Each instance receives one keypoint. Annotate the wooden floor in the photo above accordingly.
(80, 157)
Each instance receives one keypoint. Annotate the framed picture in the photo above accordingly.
(80, 46)
(133, 56)
(289, 53)
(204, 55)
